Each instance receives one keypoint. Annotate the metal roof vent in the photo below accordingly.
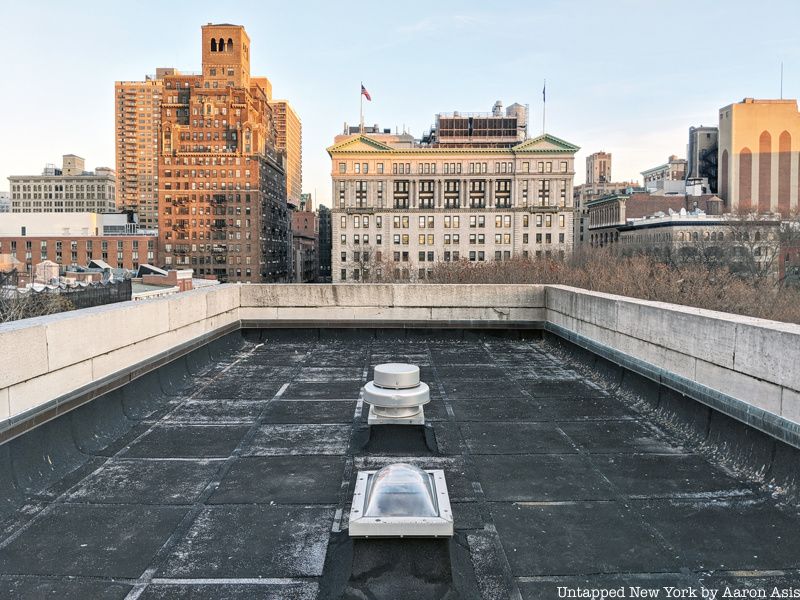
(396, 395)
(401, 500)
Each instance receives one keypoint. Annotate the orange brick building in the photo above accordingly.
(222, 184)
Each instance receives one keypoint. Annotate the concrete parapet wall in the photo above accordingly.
(745, 367)
(54, 356)
(388, 304)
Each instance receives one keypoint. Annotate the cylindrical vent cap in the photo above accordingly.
(396, 376)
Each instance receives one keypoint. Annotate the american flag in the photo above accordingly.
(365, 93)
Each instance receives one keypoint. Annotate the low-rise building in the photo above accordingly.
(607, 214)
(77, 239)
(5, 202)
(669, 178)
(69, 189)
(598, 183)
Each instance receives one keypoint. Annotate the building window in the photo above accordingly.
(342, 167)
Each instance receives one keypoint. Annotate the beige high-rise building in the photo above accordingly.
(400, 204)
(66, 190)
(137, 109)
(289, 139)
(759, 156)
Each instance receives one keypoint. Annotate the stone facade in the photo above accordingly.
(399, 205)
(65, 190)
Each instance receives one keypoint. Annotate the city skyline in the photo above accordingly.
(601, 95)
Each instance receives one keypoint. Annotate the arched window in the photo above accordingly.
(721, 236)
(757, 237)
(221, 45)
(213, 45)
(230, 45)
(695, 237)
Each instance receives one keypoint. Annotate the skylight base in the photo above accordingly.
(400, 527)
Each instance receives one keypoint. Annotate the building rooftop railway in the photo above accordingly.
(229, 471)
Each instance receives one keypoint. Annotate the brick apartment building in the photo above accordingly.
(222, 184)
(137, 110)
(75, 239)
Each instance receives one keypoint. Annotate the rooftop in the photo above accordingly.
(206, 444)
(232, 478)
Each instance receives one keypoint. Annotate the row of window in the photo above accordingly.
(454, 238)
(453, 168)
(364, 272)
(450, 221)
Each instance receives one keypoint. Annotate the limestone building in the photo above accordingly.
(400, 205)
(289, 140)
(598, 183)
(137, 110)
(222, 183)
(759, 156)
(69, 189)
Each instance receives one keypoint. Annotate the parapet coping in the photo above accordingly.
(22, 422)
(773, 425)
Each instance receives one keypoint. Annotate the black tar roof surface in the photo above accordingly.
(239, 485)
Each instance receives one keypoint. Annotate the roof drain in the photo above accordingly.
(396, 395)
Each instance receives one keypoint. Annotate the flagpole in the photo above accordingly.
(544, 104)
(361, 109)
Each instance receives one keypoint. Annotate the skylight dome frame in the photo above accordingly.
(401, 527)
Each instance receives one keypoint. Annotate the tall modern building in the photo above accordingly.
(69, 189)
(137, 109)
(461, 192)
(221, 181)
(289, 141)
(759, 146)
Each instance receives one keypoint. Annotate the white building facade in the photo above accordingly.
(65, 190)
(401, 206)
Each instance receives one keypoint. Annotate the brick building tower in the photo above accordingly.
(222, 184)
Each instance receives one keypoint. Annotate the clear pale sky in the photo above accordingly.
(628, 77)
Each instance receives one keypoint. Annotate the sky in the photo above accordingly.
(624, 76)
